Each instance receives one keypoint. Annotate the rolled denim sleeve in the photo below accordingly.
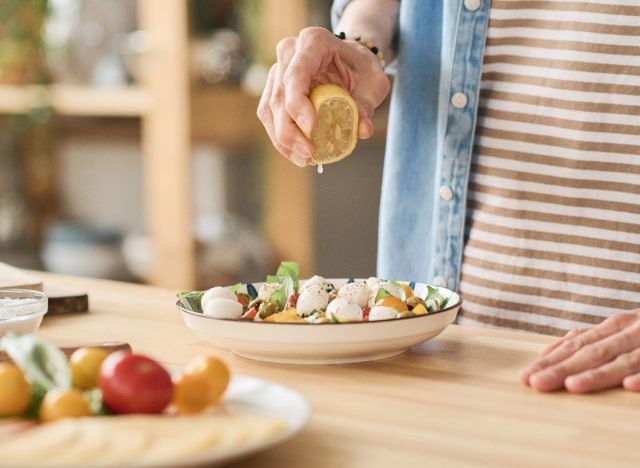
(336, 11)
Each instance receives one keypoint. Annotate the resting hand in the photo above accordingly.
(315, 57)
(587, 360)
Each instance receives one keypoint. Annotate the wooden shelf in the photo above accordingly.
(131, 101)
(224, 114)
(171, 114)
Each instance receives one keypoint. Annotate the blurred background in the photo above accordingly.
(130, 147)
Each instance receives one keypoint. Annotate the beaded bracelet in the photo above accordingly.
(365, 41)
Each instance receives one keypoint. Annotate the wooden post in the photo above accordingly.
(289, 189)
(166, 143)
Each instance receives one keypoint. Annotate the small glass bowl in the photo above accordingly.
(21, 310)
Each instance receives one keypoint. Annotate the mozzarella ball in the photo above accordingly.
(387, 286)
(223, 309)
(315, 297)
(371, 281)
(217, 293)
(267, 289)
(344, 311)
(317, 281)
(357, 292)
(382, 313)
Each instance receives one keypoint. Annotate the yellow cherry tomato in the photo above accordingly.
(15, 391)
(61, 403)
(85, 366)
(407, 290)
(213, 369)
(192, 393)
(419, 310)
(393, 302)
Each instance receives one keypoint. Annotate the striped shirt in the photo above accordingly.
(552, 238)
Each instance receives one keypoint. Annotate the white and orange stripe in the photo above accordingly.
(553, 208)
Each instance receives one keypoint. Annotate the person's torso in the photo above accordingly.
(552, 239)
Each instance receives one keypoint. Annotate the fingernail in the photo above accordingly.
(304, 124)
(301, 150)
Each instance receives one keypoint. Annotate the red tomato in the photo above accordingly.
(293, 301)
(250, 314)
(365, 313)
(132, 383)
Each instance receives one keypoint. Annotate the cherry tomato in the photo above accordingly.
(394, 303)
(132, 383)
(293, 301)
(63, 403)
(214, 370)
(192, 393)
(85, 366)
(15, 391)
(250, 314)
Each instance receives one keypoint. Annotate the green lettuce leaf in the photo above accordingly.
(280, 296)
(191, 300)
(290, 269)
(42, 363)
(381, 294)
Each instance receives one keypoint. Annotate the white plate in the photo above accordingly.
(256, 397)
(300, 343)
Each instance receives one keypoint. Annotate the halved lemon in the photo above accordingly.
(336, 132)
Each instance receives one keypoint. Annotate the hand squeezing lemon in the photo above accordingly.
(336, 132)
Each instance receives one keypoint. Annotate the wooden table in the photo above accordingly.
(453, 401)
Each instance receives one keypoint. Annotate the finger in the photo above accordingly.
(264, 111)
(632, 382)
(266, 117)
(287, 132)
(570, 334)
(611, 374)
(314, 47)
(365, 114)
(607, 328)
(588, 357)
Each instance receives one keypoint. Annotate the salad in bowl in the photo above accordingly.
(320, 320)
(284, 299)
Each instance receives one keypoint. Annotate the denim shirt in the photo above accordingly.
(430, 138)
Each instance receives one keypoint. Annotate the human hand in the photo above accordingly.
(315, 57)
(587, 360)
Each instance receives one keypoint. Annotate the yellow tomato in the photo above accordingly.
(393, 302)
(419, 310)
(407, 290)
(85, 366)
(192, 393)
(213, 369)
(289, 316)
(15, 391)
(63, 403)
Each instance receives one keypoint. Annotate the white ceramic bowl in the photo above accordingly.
(21, 310)
(300, 343)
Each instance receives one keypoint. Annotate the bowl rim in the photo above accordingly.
(39, 297)
(393, 320)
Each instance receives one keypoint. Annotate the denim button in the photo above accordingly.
(445, 193)
(440, 281)
(459, 100)
(472, 5)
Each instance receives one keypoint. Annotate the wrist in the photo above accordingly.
(364, 41)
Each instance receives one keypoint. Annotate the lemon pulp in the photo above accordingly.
(336, 132)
